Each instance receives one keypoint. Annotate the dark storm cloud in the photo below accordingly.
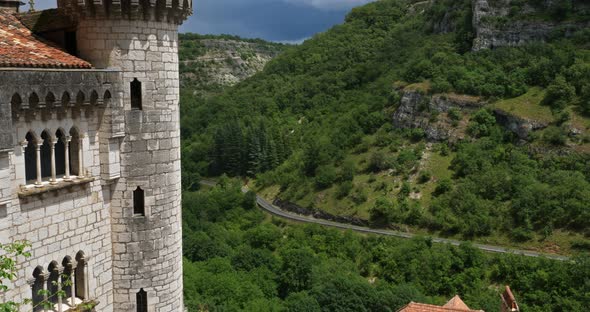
(278, 20)
(268, 19)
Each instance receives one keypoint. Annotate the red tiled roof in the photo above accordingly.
(19, 47)
(454, 305)
(421, 307)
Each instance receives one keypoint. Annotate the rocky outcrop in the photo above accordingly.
(495, 27)
(522, 127)
(416, 110)
(318, 214)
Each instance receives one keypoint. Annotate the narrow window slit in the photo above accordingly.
(139, 202)
(141, 298)
(136, 97)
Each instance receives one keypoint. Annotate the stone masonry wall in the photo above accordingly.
(61, 222)
(147, 250)
(74, 216)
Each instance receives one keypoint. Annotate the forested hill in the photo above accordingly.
(394, 117)
(208, 63)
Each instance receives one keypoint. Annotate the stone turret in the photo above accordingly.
(140, 38)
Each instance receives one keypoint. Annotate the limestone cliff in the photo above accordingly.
(446, 116)
(500, 23)
(210, 63)
(434, 114)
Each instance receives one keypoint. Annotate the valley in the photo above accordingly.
(432, 118)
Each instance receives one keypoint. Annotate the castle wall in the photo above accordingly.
(68, 217)
(147, 250)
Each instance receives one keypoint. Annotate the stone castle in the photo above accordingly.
(90, 153)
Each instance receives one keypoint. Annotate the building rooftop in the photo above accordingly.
(46, 20)
(454, 305)
(20, 47)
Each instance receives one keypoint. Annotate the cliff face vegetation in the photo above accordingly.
(209, 63)
(393, 118)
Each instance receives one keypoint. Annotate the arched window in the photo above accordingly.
(33, 100)
(37, 288)
(141, 298)
(106, 99)
(53, 282)
(50, 99)
(30, 159)
(93, 98)
(60, 153)
(16, 105)
(46, 155)
(80, 276)
(139, 202)
(65, 99)
(136, 102)
(74, 152)
(80, 98)
(67, 275)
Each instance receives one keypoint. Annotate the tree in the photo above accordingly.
(559, 93)
(481, 124)
(8, 270)
(382, 212)
(378, 161)
(296, 270)
(585, 100)
(302, 302)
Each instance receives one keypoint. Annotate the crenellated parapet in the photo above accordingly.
(171, 11)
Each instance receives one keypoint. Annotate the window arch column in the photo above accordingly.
(81, 174)
(53, 179)
(38, 145)
(67, 140)
(23, 146)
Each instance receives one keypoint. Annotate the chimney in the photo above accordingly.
(12, 5)
(509, 302)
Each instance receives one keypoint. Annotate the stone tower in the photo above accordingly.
(140, 37)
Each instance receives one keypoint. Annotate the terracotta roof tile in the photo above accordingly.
(19, 47)
(454, 305)
(457, 303)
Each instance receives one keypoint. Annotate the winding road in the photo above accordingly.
(274, 210)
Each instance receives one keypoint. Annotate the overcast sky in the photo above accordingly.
(277, 20)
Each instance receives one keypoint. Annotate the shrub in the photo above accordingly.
(441, 85)
(443, 186)
(555, 135)
(381, 212)
(344, 189)
(521, 235)
(359, 196)
(378, 162)
(424, 177)
(455, 114)
(325, 177)
(405, 190)
(347, 171)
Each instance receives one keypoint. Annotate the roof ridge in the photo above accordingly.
(434, 307)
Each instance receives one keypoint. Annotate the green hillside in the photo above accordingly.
(315, 127)
(237, 258)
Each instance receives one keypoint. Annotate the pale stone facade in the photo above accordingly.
(85, 214)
